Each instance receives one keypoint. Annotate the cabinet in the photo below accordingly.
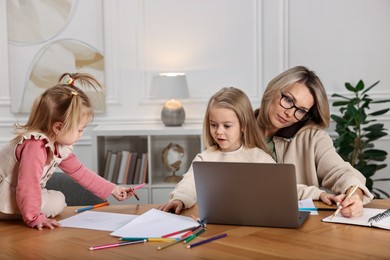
(150, 140)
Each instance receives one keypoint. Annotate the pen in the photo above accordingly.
(350, 193)
(92, 207)
(206, 240)
(116, 245)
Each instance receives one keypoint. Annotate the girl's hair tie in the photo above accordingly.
(70, 81)
(74, 93)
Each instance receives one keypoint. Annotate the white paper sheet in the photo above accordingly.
(97, 220)
(308, 203)
(155, 223)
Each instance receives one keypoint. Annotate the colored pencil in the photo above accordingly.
(180, 231)
(194, 235)
(93, 207)
(186, 234)
(116, 245)
(308, 209)
(350, 193)
(198, 220)
(171, 244)
(135, 188)
(149, 239)
(139, 186)
(206, 240)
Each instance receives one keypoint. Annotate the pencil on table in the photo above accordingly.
(116, 244)
(93, 207)
(206, 240)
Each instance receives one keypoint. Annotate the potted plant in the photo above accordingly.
(357, 131)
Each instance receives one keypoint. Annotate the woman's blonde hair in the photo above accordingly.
(63, 103)
(319, 114)
(236, 100)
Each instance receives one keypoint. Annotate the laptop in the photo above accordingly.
(248, 194)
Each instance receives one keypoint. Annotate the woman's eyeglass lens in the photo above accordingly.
(287, 103)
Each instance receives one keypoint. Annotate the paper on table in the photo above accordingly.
(308, 203)
(363, 220)
(98, 220)
(155, 223)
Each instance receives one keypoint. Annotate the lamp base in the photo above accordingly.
(173, 116)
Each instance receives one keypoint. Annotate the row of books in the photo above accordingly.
(126, 167)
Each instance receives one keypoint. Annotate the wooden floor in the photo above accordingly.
(314, 240)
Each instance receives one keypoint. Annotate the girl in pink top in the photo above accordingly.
(56, 122)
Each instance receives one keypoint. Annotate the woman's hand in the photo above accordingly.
(172, 206)
(328, 198)
(350, 207)
(122, 193)
(49, 223)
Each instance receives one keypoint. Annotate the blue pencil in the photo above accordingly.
(207, 240)
(308, 209)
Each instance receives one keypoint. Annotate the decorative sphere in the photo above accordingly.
(172, 157)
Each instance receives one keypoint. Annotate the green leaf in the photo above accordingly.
(340, 96)
(370, 87)
(340, 103)
(381, 101)
(379, 112)
(350, 87)
(360, 86)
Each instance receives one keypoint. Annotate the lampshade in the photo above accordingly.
(171, 86)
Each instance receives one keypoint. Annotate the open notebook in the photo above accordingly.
(380, 218)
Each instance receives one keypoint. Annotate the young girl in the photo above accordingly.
(230, 134)
(56, 122)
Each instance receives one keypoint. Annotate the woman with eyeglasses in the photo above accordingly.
(293, 116)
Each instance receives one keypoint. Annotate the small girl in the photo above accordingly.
(56, 122)
(230, 134)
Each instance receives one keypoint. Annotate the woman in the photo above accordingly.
(293, 116)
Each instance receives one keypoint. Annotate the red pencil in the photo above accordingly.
(180, 231)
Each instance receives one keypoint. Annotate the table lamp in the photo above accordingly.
(171, 86)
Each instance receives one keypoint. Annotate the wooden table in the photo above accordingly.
(314, 240)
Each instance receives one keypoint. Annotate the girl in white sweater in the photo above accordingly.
(230, 134)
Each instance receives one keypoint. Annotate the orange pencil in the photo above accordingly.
(93, 207)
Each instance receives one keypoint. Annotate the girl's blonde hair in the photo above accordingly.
(63, 103)
(236, 100)
(319, 114)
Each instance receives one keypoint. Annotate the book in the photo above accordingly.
(378, 218)
(144, 168)
(126, 175)
(107, 165)
(122, 167)
(111, 166)
(116, 167)
(137, 171)
(131, 172)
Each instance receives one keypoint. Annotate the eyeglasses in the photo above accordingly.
(287, 103)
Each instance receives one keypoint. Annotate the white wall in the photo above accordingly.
(227, 42)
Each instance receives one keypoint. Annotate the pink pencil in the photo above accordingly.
(139, 186)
